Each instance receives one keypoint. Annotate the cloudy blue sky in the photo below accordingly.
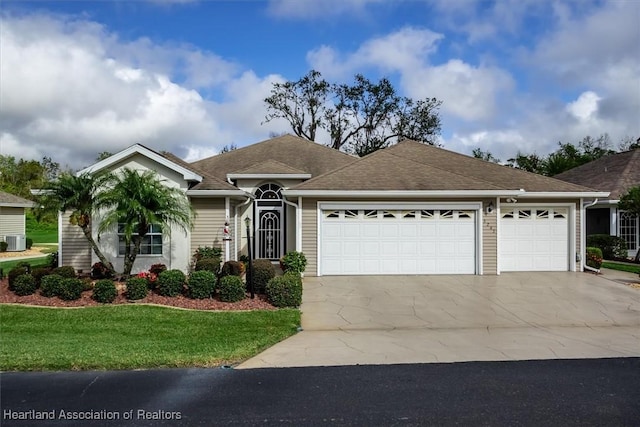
(81, 77)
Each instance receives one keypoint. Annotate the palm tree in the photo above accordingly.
(79, 194)
(136, 201)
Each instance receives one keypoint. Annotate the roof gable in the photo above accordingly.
(292, 151)
(187, 173)
(615, 173)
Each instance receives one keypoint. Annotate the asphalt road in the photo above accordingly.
(551, 392)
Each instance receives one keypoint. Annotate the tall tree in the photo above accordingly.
(360, 118)
(630, 202)
(136, 201)
(80, 195)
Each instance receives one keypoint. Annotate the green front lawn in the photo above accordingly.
(34, 262)
(43, 236)
(621, 266)
(132, 337)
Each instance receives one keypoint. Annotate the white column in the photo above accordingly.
(613, 221)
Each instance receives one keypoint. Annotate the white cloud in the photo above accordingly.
(70, 89)
(585, 107)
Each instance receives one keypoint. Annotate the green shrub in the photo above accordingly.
(294, 261)
(28, 243)
(208, 264)
(594, 257)
(39, 273)
(137, 288)
(231, 289)
(24, 284)
(612, 247)
(66, 271)
(207, 252)
(232, 268)
(201, 284)
(285, 291)
(262, 271)
(3, 246)
(50, 285)
(52, 259)
(105, 291)
(170, 283)
(70, 289)
(101, 271)
(16, 272)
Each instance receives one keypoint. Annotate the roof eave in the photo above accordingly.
(403, 193)
(187, 174)
(17, 205)
(563, 194)
(219, 193)
(234, 176)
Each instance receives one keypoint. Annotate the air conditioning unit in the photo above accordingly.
(16, 243)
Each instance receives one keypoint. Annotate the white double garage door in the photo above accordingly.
(372, 240)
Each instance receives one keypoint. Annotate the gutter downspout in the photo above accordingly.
(235, 224)
(583, 237)
(298, 223)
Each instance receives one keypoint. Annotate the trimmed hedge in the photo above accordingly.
(170, 283)
(294, 261)
(612, 247)
(261, 272)
(66, 271)
(286, 290)
(28, 243)
(70, 289)
(24, 284)
(231, 289)
(105, 291)
(201, 285)
(14, 273)
(137, 288)
(50, 285)
(208, 264)
(39, 273)
(232, 268)
(594, 257)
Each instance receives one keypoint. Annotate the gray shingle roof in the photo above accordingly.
(615, 173)
(269, 167)
(297, 153)
(410, 165)
(8, 199)
(208, 182)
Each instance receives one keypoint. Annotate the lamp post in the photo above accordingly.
(247, 222)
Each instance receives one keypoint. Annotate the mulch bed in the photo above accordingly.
(259, 303)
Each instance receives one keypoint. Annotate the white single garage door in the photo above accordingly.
(380, 241)
(534, 239)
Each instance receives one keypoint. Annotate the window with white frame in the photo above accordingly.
(151, 242)
(629, 230)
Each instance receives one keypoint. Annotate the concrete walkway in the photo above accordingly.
(422, 319)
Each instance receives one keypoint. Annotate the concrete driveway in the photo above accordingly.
(421, 319)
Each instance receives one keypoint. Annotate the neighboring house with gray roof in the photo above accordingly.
(408, 209)
(12, 218)
(615, 173)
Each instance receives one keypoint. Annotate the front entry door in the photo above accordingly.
(269, 233)
(269, 224)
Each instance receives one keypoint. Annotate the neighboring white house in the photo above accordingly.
(615, 173)
(12, 220)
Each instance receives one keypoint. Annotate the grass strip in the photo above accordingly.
(134, 337)
(621, 267)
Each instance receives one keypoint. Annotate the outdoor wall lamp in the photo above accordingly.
(490, 208)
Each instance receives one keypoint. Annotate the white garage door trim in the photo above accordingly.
(476, 207)
(570, 234)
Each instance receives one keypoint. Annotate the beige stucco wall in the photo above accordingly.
(12, 221)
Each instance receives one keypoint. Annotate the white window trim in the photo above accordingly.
(161, 254)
